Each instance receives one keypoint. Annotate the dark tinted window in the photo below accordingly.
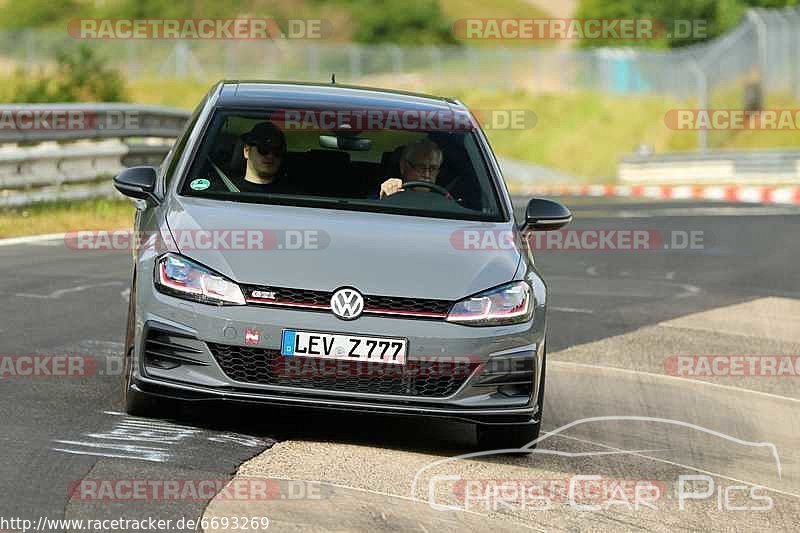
(263, 159)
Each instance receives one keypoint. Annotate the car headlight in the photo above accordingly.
(183, 278)
(509, 304)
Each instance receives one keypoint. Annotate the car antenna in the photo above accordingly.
(333, 78)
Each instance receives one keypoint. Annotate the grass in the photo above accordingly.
(582, 134)
(185, 94)
(741, 139)
(58, 217)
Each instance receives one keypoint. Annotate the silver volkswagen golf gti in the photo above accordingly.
(342, 248)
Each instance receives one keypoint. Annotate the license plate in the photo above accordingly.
(345, 347)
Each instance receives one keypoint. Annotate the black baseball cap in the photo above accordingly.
(265, 133)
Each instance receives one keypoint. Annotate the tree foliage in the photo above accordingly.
(711, 18)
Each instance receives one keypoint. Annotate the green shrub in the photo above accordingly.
(413, 22)
(80, 76)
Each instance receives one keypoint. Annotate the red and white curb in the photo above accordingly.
(732, 193)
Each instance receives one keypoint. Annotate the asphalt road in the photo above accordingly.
(614, 315)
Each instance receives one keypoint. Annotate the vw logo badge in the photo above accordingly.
(347, 303)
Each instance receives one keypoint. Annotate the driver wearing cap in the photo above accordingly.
(420, 161)
(265, 151)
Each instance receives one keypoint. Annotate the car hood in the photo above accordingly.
(376, 253)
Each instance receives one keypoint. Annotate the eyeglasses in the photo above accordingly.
(269, 148)
(428, 169)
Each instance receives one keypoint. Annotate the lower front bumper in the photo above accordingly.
(184, 392)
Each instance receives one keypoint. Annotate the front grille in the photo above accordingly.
(406, 305)
(320, 300)
(424, 379)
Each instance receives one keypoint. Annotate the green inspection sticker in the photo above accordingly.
(200, 184)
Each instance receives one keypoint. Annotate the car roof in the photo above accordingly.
(236, 93)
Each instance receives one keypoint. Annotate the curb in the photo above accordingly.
(733, 193)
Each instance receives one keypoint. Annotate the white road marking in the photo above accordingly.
(573, 310)
(688, 290)
(105, 449)
(670, 276)
(125, 294)
(591, 271)
(145, 439)
(55, 295)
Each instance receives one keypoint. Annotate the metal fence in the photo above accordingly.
(764, 47)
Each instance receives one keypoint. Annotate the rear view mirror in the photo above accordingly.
(546, 215)
(345, 142)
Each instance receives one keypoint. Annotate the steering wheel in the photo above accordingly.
(433, 187)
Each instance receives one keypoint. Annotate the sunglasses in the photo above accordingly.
(269, 148)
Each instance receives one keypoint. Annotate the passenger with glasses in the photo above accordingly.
(420, 162)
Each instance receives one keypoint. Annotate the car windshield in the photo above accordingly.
(267, 158)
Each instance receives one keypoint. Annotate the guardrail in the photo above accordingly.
(26, 123)
(67, 151)
(767, 167)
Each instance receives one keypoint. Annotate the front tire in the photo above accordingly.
(134, 402)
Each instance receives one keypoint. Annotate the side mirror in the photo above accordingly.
(137, 182)
(545, 215)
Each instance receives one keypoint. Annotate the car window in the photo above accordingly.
(262, 158)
